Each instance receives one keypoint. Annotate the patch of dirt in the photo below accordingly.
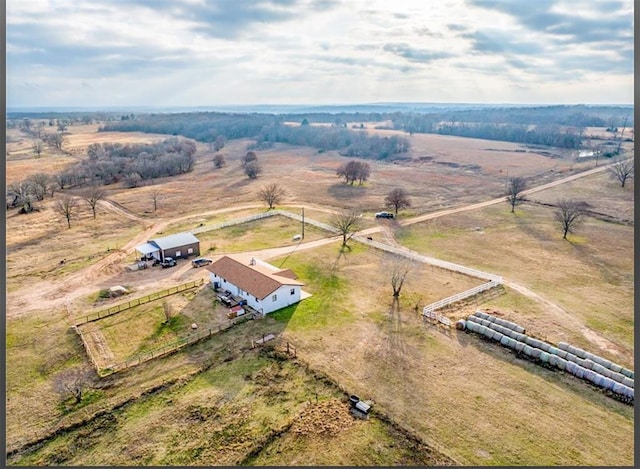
(324, 418)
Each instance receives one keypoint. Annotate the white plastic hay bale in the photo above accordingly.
(530, 341)
(553, 360)
(536, 352)
(490, 318)
(579, 372)
(627, 373)
(520, 337)
(589, 375)
(481, 314)
(579, 361)
(571, 349)
(544, 357)
(628, 382)
(570, 367)
(505, 340)
(598, 379)
(619, 388)
(581, 353)
(519, 346)
(588, 364)
(608, 384)
(617, 377)
(562, 353)
(472, 318)
(544, 346)
(561, 363)
(563, 345)
(497, 336)
(553, 350)
(499, 322)
(528, 350)
(519, 329)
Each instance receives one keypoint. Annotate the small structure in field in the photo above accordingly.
(264, 287)
(176, 246)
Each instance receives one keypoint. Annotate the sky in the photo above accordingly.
(99, 53)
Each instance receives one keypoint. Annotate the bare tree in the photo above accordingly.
(155, 195)
(66, 206)
(398, 267)
(515, 186)
(568, 215)
(39, 183)
(347, 223)
(219, 142)
(93, 195)
(248, 158)
(55, 140)
(272, 194)
(218, 160)
(354, 171)
(168, 311)
(252, 169)
(397, 199)
(22, 195)
(132, 180)
(37, 147)
(622, 170)
(73, 381)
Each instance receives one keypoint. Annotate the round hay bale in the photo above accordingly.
(553, 360)
(579, 372)
(505, 340)
(520, 337)
(473, 319)
(490, 318)
(484, 322)
(528, 350)
(579, 361)
(608, 383)
(571, 349)
(461, 324)
(628, 382)
(562, 353)
(581, 353)
(617, 377)
(544, 357)
(472, 326)
(499, 322)
(607, 364)
(530, 341)
(535, 352)
(553, 350)
(519, 346)
(598, 379)
(626, 372)
(570, 367)
(497, 336)
(588, 364)
(487, 332)
(589, 375)
(519, 329)
(563, 345)
(544, 346)
(561, 363)
(618, 388)
(606, 372)
(480, 314)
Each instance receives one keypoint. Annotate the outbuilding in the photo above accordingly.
(177, 246)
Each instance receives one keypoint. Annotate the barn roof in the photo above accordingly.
(174, 241)
(259, 279)
(147, 248)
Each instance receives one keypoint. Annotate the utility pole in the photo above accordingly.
(302, 222)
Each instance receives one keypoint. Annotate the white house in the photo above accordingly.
(265, 287)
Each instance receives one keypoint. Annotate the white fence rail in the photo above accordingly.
(429, 309)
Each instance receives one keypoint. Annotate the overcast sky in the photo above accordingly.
(228, 52)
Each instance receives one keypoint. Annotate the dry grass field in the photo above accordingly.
(465, 399)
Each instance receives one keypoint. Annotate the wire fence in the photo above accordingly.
(138, 301)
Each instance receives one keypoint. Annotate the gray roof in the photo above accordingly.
(147, 248)
(175, 241)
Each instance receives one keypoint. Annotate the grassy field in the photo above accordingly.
(219, 402)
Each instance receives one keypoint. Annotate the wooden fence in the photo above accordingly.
(138, 301)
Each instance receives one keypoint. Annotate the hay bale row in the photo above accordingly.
(500, 322)
(596, 359)
(560, 357)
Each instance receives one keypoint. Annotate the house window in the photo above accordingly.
(274, 298)
(293, 291)
(190, 251)
(178, 253)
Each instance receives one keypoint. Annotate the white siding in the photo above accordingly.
(267, 305)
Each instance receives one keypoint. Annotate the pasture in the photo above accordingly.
(465, 400)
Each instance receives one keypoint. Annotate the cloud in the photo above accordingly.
(495, 41)
(415, 55)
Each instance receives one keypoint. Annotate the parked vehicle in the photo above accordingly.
(201, 262)
(384, 215)
(168, 262)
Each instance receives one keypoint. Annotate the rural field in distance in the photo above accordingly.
(438, 395)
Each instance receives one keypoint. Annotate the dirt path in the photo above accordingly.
(52, 295)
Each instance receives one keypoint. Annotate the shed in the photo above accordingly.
(180, 245)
